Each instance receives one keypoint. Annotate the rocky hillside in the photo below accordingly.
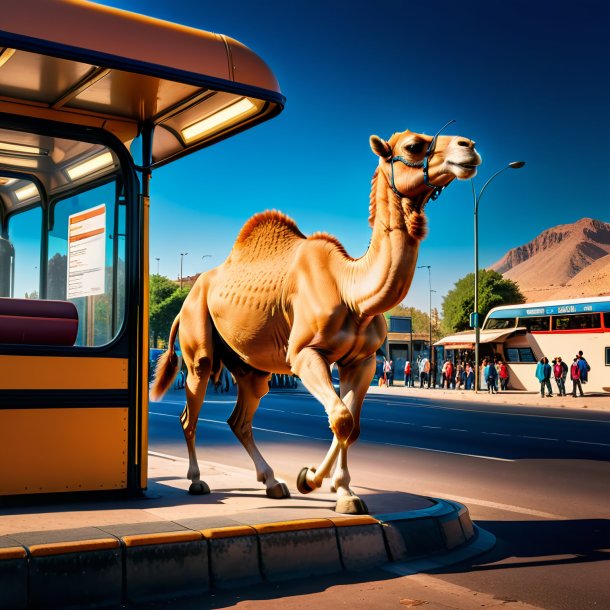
(566, 261)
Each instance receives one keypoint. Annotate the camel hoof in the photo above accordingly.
(351, 505)
(278, 491)
(302, 484)
(199, 488)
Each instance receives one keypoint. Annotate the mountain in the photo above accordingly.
(566, 261)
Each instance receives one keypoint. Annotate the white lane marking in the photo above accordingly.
(432, 427)
(224, 423)
(315, 438)
(589, 443)
(458, 430)
(496, 433)
(508, 507)
(183, 402)
(539, 438)
(482, 457)
(166, 456)
(292, 412)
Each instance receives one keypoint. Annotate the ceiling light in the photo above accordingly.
(90, 166)
(5, 55)
(26, 192)
(9, 147)
(222, 117)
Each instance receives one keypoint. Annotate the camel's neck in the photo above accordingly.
(381, 279)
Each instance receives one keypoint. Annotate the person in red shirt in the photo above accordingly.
(503, 372)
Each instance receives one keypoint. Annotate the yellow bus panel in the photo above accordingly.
(58, 450)
(57, 373)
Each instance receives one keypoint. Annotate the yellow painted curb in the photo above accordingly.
(161, 538)
(13, 552)
(227, 532)
(354, 520)
(292, 526)
(78, 546)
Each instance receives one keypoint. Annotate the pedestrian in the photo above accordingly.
(459, 375)
(444, 373)
(408, 375)
(490, 375)
(391, 372)
(469, 377)
(575, 377)
(584, 367)
(449, 375)
(543, 375)
(504, 375)
(387, 369)
(424, 369)
(560, 370)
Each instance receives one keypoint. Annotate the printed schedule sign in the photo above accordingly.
(87, 252)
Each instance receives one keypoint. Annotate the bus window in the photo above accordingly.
(500, 323)
(576, 322)
(87, 261)
(539, 323)
(607, 319)
(519, 354)
(24, 235)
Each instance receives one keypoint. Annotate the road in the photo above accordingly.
(538, 479)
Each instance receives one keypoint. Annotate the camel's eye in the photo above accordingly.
(415, 148)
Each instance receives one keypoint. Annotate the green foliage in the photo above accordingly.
(166, 300)
(494, 290)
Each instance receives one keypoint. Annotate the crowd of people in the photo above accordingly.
(494, 372)
(559, 370)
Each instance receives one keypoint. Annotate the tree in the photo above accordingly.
(165, 303)
(494, 290)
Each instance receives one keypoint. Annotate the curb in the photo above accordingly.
(135, 563)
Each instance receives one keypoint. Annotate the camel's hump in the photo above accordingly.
(267, 228)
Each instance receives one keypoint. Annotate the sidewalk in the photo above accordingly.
(593, 402)
(95, 552)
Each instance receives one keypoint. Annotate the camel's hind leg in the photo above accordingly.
(251, 387)
(196, 385)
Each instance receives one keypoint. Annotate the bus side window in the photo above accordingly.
(24, 230)
(538, 323)
(86, 262)
(577, 322)
(607, 319)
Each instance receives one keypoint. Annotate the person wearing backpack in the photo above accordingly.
(584, 367)
(560, 370)
(575, 377)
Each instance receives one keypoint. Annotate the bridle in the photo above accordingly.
(423, 164)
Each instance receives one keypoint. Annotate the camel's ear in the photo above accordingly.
(380, 147)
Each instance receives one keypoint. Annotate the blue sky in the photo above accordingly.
(524, 79)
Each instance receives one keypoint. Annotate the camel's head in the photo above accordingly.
(418, 166)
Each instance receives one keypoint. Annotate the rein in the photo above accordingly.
(424, 163)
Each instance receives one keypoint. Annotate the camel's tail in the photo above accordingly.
(167, 366)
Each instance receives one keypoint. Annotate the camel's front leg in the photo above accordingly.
(314, 372)
(355, 380)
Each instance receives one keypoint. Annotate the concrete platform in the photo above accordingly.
(167, 543)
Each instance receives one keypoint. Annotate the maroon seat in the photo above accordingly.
(38, 322)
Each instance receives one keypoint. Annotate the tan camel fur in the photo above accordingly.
(286, 303)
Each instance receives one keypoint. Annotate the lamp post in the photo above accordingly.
(477, 330)
(430, 309)
(157, 259)
(182, 255)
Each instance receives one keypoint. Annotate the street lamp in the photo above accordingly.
(182, 255)
(430, 308)
(477, 331)
(157, 259)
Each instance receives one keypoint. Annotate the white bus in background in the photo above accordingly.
(525, 333)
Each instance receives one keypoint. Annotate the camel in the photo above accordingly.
(289, 304)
